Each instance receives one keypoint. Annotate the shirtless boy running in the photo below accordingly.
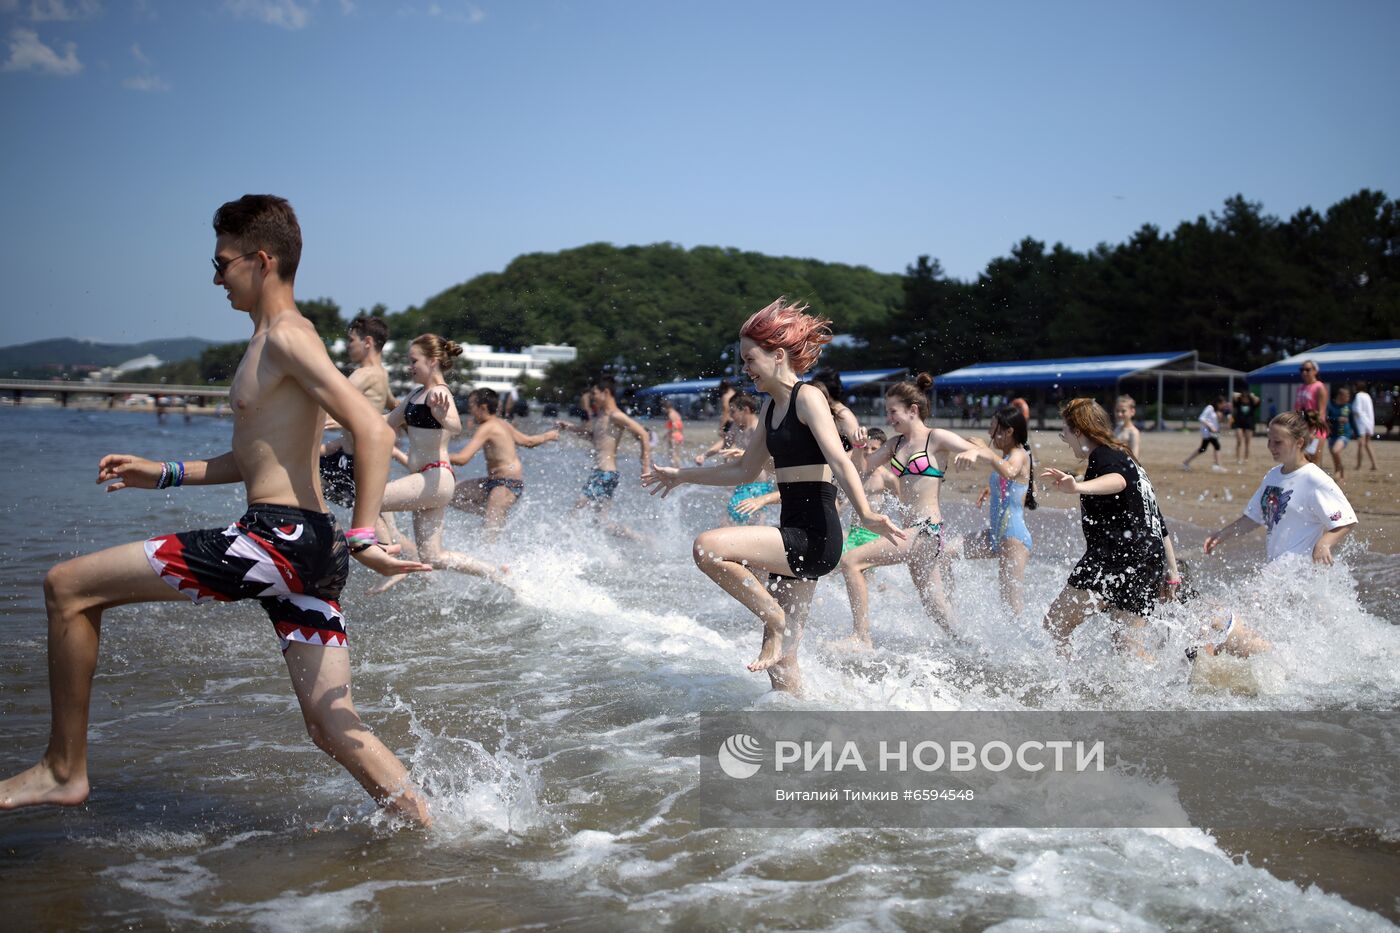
(364, 344)
(605, 429)
(285, 551)
(495, 493)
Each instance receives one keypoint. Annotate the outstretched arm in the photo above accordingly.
(478, 440)
(1009, 468)
(582, 429)
(1107, 485)
(131, 472)
(531, 440)
(745, 470)
(1236, 529)
(709, 452)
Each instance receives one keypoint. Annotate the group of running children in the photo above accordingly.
(288, 552)
(802, 439)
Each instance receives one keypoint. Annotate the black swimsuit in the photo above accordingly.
(418, 415)
(809, 524)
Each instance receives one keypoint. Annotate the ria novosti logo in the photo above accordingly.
(741, 756)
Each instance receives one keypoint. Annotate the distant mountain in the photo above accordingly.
(45, 358)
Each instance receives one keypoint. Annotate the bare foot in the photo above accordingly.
(852, 643)
(772, 651)
(388, 584)
(39, 785)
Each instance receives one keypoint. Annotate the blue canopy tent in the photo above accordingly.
(1372, 359)
(1089, 372)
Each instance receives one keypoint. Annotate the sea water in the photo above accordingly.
(544, 725)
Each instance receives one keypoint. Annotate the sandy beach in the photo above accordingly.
(1210, 500)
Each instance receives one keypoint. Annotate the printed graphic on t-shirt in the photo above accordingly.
(1275, 505)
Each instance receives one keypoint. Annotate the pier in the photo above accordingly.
(19, 388)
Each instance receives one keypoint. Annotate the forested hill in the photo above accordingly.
(1239, 285)
(666, 311)
(45, 358)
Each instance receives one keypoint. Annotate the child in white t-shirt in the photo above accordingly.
(1303, 510)
(1210, 436)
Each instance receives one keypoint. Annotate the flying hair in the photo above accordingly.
(787, 326)
(1087, 417)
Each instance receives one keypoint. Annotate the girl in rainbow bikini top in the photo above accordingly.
(912, 455)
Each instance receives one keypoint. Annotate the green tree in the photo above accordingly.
(324, 315)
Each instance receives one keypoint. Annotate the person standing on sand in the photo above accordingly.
(1363, 416)
(286, 551)
(1242, 418)
(1209, 419)
(1312, 396)
(1124, 430)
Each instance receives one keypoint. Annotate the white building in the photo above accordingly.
(494, 369)
(503, 371)
(115, 373)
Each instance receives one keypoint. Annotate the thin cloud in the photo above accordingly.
(146, 83)
(63, 11)
(347, 7)
(29, 53)
(468, 13)
(285, 13)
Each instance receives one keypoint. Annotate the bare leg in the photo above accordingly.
(732, 557)
(795, 597)
(470, 496)
(1130, 635)
(321, 679)
(854, 563)
(1364, 443)
(427, 530)
(1012, 572)
(499, 502)
(1337, 463)
(1066, 614)
(76, 592)
(931, 572)
(405, 494)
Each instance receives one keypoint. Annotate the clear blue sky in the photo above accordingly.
(425, 142)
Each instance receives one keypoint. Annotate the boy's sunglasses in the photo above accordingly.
(221, 265)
